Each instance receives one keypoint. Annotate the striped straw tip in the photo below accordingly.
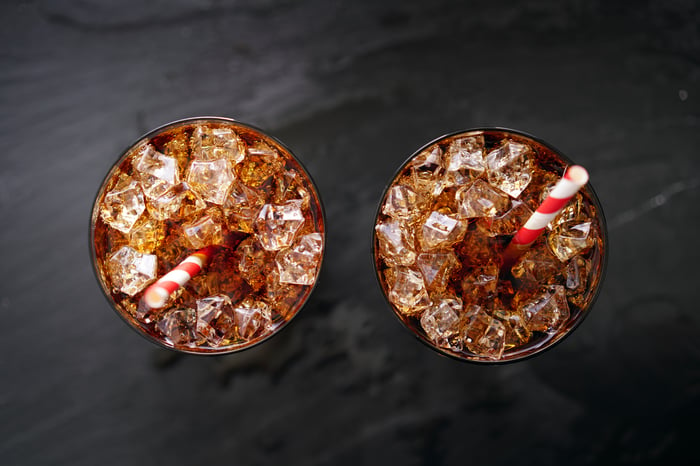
(156, 297)
(577, 174)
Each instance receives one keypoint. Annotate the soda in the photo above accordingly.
(225, 186)
(440, 233)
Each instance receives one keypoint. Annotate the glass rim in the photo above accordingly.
(582, 315)
(93, 215)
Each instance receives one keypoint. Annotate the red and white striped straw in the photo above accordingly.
(158, 294)
(573, 180)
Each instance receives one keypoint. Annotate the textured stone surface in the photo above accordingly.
(614, 85)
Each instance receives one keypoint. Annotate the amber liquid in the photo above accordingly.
(221, 275)
(549, 167)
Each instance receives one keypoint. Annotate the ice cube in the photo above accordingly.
(536, 266)
(176, 203)
(482, 334)
(510, 167)
(466, 154)
(276, 225)
(436, 268)
(205, 231)
(407, 290)
(507, 153)
(215, 319)
(192, 204)
(211, 179)
(480, 199)
(570, 238)
(401, 203)
(508, 223)
(441, 230)
(217, 143)
(123, 205)
(427, 172)
(178, 326)
(178, 147)
(299, 264)
(167, 205)
(441, 320)
(260, 163)
(130, 270)
(517, 333)
(395, 243)
(288, 186)
(242, 207)
(546, 310)
(156, 172)
(146, 235)
(252, 318)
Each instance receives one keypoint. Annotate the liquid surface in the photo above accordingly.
(439, 236)
(198, 184)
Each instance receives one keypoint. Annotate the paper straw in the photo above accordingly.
(158, 294)
(573, 180)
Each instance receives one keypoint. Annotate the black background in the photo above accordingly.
(353, 88)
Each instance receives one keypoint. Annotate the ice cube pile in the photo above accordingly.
(203, 183)
(442, 226)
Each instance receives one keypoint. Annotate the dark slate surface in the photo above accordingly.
(353, 89)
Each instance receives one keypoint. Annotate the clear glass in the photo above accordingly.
(437, 185)
(200, 182)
